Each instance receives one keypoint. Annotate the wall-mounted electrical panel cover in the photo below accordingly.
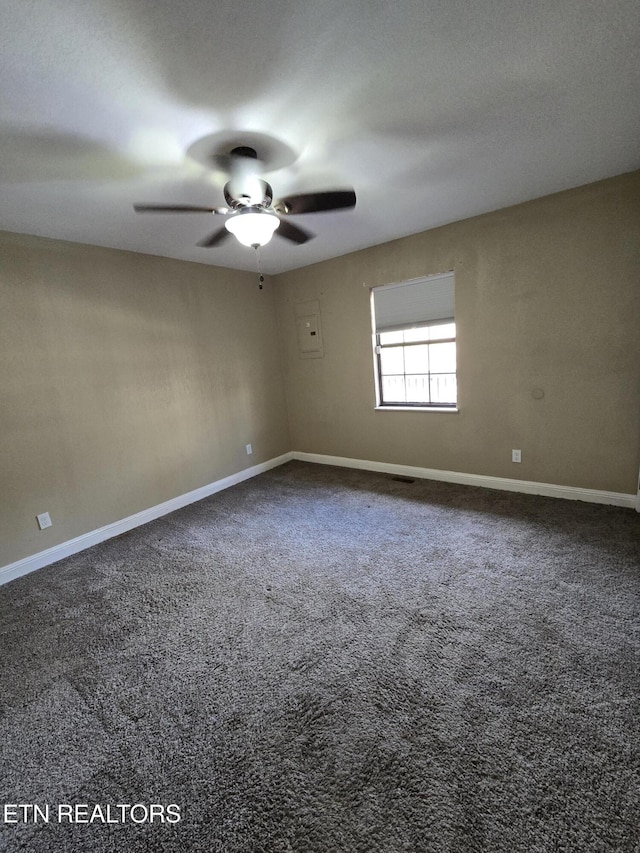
(309, 329)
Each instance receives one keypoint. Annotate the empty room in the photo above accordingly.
(320, 427)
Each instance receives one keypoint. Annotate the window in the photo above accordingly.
(415, 343)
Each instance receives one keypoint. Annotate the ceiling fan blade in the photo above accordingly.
(316, 202)
(177, 208)
(214, 239)
(292, 232)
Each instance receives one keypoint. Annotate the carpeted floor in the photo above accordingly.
(330, 660)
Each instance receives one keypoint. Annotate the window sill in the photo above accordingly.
(449, 409)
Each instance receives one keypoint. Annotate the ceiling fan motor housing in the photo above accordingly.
(248, 199)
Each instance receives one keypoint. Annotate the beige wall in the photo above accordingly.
(547, 297)
(126, 380)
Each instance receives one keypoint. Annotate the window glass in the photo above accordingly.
(392, 360)
(416, 373)
(416, 358)
(442, 330)
(393, 389)
(443, 388)
(417, 388)
(442, 358)
(391, 337)
(419, 334)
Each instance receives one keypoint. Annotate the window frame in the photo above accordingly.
(423, 406)
(378, 347)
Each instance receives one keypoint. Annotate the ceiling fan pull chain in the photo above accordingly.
(260, 276)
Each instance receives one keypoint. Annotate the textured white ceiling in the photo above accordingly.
(433, 111)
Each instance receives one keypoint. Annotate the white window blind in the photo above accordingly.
(425, 300)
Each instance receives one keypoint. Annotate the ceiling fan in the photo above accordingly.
(253, 215)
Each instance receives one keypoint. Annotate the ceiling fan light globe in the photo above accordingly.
(252, 227)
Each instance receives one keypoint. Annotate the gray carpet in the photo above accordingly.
(330, 660)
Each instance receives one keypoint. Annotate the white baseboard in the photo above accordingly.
(503, 483)
(87, 540)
